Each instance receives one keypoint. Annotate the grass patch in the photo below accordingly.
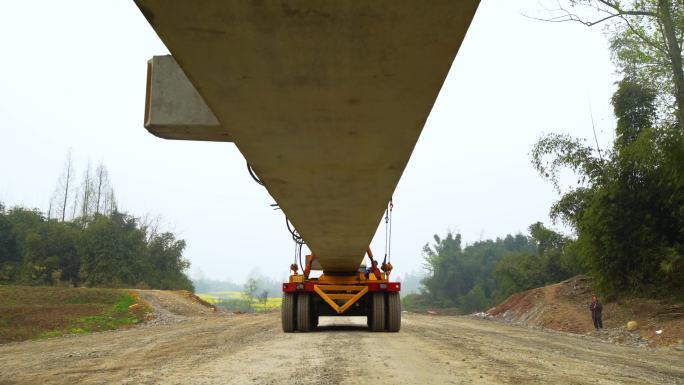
(28, 312)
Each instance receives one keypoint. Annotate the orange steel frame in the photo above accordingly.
(341, 292)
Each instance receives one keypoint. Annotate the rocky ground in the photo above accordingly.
(564, 307)
(168, 307)
(206, 347)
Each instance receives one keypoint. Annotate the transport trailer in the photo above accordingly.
(362, 293)
(325, 100)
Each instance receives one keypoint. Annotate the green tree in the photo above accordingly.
(554, 260)
(250, 289)
(9, 252)
(167, 262)
(629, 211)
(22, 225)
(646, 39)
(634, 106)
(97, 250)
(519, 271)
(444, 283)
(113, 252)
(474, 300)
(51, 254)
(464, 277)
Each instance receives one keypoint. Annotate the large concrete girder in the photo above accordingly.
(173, 107)
(325, 99)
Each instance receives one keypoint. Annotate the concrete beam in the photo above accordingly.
(174, 109)
(325, 99)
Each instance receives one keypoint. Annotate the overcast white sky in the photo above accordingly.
(72, 75)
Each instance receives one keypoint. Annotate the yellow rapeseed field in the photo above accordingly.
(216, 298)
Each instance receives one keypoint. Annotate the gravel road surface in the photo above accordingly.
(214, 348)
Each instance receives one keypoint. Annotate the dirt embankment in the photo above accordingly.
(174, 306)
(565, 307)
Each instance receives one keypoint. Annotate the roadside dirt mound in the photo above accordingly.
(565, 307)
(175, 306)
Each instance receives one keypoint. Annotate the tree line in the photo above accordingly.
(113, 250)
(257, 285)
(626, 209)
(84, 240)
(480, 275)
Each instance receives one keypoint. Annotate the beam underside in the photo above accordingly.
(325, 99)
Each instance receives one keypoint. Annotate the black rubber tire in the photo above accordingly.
(393, 312)
(304, 312)
(288, 311)
(314, 316)
(377, 321)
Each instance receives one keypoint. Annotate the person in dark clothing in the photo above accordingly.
(596, 312)
(373, 269)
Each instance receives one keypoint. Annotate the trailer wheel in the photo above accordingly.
(287, 312)
(314, 315)
(304, 312)
(377, 320)
(393, 312)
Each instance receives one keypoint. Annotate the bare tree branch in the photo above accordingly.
(617, 11)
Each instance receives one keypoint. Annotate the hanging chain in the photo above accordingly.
(389, 240)
(386, 264)
(386, 233)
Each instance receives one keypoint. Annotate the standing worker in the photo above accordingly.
(596, 312)
(373, 269)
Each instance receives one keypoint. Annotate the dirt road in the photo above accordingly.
(250, 349)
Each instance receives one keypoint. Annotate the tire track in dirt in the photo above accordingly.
(514, 354)
(157, 354)
(318, 357)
